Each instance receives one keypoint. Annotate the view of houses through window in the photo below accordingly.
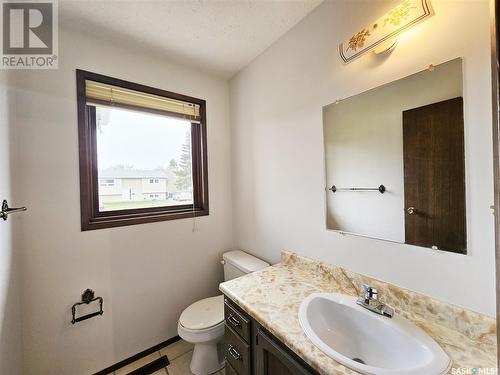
(144, 160)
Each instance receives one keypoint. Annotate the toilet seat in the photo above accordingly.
(197, 336)
(203, 314)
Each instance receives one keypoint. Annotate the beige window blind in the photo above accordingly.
(104, 94)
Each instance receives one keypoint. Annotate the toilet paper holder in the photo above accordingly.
(88, 296)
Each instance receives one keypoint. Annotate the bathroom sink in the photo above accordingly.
(367, 342)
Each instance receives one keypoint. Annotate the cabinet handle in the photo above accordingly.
(234, 353)
(233, 321)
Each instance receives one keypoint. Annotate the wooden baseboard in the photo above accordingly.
(137, 356)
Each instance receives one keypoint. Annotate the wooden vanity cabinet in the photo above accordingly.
(252, 350)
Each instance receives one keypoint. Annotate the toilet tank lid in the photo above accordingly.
(243, 261)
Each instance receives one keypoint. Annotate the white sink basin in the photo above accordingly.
(367, 342)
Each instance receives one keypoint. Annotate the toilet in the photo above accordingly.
(202, 323)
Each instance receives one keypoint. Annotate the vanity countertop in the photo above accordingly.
(272, 296)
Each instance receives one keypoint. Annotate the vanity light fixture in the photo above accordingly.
(381, 35)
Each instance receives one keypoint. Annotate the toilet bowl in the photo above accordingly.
(202, 323)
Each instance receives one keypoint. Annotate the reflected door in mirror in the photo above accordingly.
(434, 176)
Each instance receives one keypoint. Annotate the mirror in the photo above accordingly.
(395, 161)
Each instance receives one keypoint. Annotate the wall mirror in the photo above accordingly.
(395, 161)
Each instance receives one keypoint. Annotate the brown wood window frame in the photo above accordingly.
(91, 217)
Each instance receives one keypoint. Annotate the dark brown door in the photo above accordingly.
(433, 143)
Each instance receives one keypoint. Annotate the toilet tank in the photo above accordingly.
(238, 263)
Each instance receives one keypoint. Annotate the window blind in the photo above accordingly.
(104, 94)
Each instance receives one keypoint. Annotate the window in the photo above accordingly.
(104, 183)
(143, 153)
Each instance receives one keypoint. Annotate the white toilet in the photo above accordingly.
(202, 323)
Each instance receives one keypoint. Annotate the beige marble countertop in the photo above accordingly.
(273, 295)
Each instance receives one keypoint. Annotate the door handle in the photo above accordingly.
(411, 210)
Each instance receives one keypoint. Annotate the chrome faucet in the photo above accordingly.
(369, 300)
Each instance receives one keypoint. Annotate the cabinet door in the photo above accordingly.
(237, 352)
(272, 359)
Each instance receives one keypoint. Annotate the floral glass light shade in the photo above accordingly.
(381, 35)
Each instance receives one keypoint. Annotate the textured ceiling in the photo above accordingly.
(221, 36)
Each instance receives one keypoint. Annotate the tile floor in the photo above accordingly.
(179, 354)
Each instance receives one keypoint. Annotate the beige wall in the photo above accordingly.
(10, 270)
(277, 145)
(363, 138)
(145, 273)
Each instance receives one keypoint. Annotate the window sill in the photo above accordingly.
(124, 219)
